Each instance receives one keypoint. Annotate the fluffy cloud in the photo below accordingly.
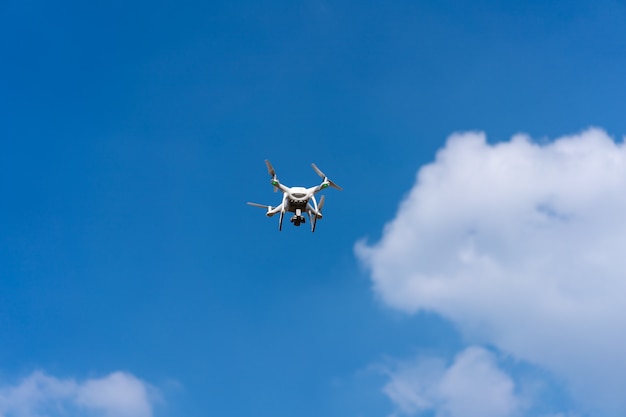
(39, 395)
(521, 245)
(473, 386)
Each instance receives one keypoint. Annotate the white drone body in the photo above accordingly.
(297, 200)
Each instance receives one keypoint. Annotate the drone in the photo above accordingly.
(297, 200)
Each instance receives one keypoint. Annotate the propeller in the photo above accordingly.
(272, 172)
(326, 179)
(321, 204)
(260, 205)
(319, 213)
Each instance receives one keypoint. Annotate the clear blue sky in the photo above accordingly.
(133, 133)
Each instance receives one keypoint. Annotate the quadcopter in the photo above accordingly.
(297, 200)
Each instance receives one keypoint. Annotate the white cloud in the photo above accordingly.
(522, 246)
(39, 395)
(473, 386)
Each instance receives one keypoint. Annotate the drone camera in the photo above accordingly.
(297, 220)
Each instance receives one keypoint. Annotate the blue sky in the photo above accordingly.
(134, 133)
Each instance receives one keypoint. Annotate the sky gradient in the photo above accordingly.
(134, 279)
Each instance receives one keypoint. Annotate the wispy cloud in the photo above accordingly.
(521, 245)
(40, 395)
(472, 386)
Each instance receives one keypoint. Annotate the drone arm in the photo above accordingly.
(277, 185)
(275, 210)
(316, 189)
(325, 184)
(270, 210)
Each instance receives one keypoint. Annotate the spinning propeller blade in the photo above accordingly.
(272, 172)
(315, 215)
(318, 171)
(259, 205)
(270, 168)
(321, 204)
(321, 174)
